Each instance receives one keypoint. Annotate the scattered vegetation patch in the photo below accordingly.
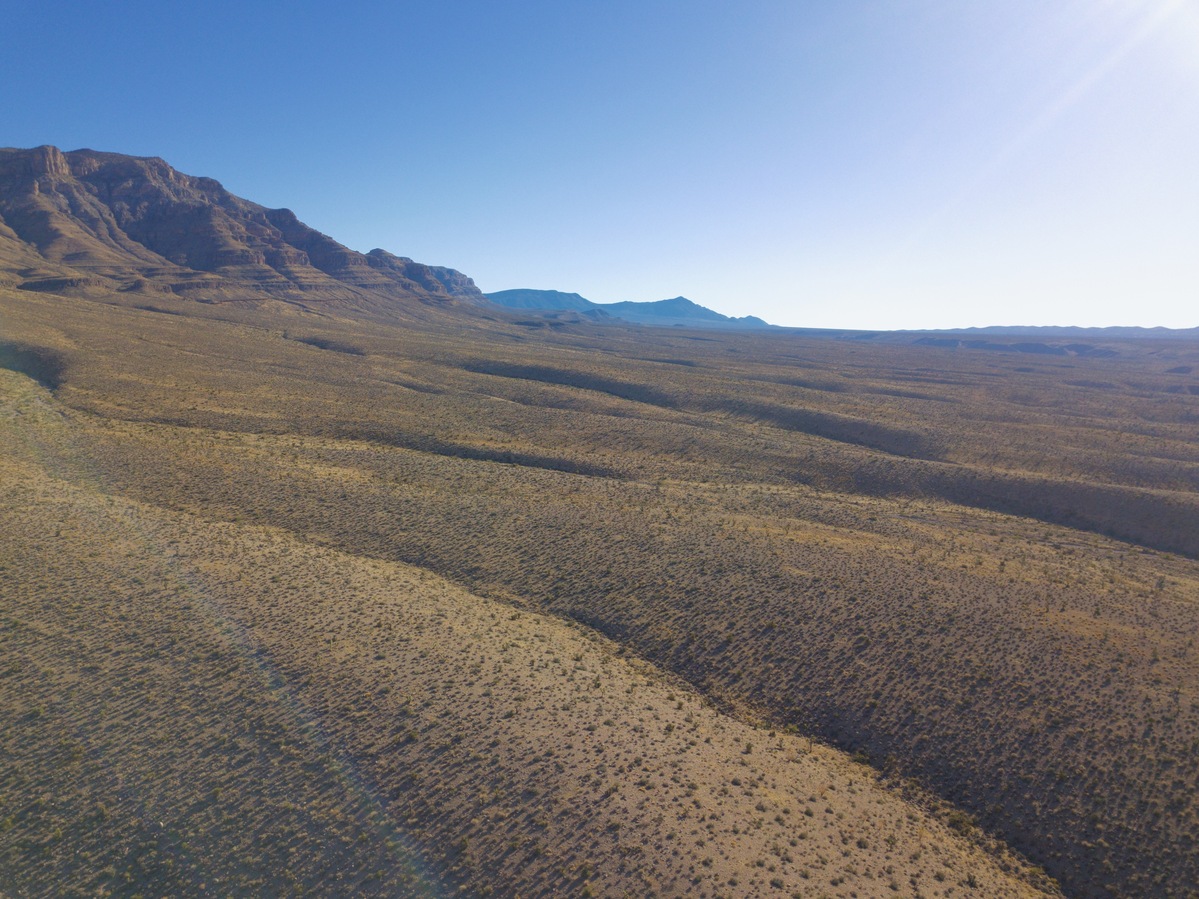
(47, 367)
(324, 343)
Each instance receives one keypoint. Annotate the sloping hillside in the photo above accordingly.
(770, 519)
(193, 707)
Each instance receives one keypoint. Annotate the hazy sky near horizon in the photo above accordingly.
(932, 163)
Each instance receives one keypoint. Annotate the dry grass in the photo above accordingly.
(813, 535)
(199, 708)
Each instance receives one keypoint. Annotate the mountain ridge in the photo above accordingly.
(87, 220)
(103, 223)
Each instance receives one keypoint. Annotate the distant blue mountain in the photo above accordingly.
(676, 312)
(546, 300)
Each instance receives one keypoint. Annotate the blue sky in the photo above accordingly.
(932, 163)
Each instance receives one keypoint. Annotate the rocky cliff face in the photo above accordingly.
(91, 221)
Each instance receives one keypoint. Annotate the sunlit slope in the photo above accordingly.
(146, 745)
(811, 532)
(193, 708)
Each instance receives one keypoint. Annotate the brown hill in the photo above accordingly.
(95, 222)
